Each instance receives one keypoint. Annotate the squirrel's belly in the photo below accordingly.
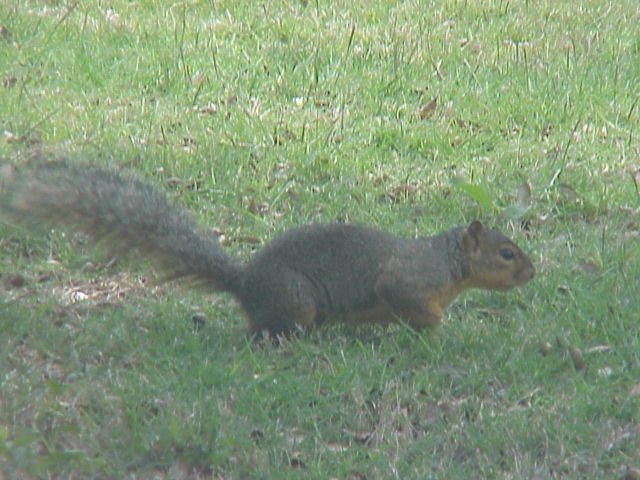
(380, 313)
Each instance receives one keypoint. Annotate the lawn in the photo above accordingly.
(259, 116)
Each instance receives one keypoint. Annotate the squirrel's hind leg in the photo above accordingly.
(281, 308)
(282, 321)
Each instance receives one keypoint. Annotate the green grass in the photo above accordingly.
(260, 116)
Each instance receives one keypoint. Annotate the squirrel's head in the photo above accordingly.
(495, 262)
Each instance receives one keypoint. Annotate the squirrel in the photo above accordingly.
(307, 276)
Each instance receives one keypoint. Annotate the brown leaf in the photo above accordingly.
(456, 141)
(14, 281)
(173, 181)
(630, 235)
(44, 277)
(359, 437)
(336, 447)
(524, 194)
(427, 110)
(605, 372)
(9, 82)
(599, 348)
(250, 239)
(576, 356)
(210, 109)
(404, 190)
(545, 348)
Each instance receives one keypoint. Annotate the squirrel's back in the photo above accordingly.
(335, 265)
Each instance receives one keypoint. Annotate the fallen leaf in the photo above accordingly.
(576, 356)
(427, 110)
(455, 141)
(605, 372)
(250, 239)
(402, 191)
(599, 348)
(14, 281)
(359, 437)
(523, 194)
(173, 181)
(545, 348)
(210, 109)
(9, 82)
(336, 447)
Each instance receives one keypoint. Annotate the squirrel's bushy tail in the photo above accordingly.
(125, 214)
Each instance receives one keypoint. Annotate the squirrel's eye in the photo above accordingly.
(507, 254)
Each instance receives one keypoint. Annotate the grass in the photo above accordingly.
(412, 116)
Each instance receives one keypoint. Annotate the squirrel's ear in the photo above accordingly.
(473, 235)
(475, 228)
